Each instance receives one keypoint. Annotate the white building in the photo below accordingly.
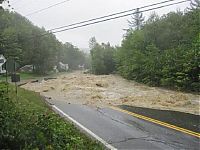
(2, 61)
(64, 67)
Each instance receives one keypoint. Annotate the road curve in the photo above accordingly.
(124, 131)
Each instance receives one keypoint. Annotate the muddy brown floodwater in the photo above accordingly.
(106, 90)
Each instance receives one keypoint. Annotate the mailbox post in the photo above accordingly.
(15, 78)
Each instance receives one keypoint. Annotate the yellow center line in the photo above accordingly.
(158, 122)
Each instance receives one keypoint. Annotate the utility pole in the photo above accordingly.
(137, 19)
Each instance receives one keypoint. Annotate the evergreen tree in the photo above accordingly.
(136, 21)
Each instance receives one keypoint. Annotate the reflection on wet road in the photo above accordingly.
(124, 131)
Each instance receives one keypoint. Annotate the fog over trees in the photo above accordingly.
(163, 52)
(160, 51)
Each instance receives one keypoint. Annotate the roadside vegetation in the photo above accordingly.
(21, 41)
(162, 51)
(26, 76)
(23, 76)
(158, 51)
(27, 123)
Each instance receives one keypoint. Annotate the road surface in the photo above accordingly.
(124, 131)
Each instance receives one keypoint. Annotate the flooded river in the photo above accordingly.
(105, 90)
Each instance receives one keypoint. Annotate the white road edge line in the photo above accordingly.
(108, 146)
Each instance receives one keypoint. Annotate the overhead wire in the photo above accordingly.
(117, 17)
(24, 5)
(130, 10)
(17, 1)
(77, 25)
(43, 9)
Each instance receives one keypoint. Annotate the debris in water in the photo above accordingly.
(106, 90)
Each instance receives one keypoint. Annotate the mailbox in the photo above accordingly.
(15, 78)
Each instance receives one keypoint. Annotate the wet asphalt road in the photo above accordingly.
(124, 131)
(180, 119)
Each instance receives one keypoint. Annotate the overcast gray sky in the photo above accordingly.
(78, 10)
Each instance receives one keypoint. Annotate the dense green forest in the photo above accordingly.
(162, 51)
(25, 120)
(102, 56)
(159, 51)
(22, 41)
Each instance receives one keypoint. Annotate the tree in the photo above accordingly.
(102, 58)
(97, 56)
(92, 42)
(19, 38)
(72, 56)
(1, 1)
(108, 58)
(136, 21)
(194, 4)
(165, 52)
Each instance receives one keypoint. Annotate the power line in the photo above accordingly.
(17, 1)
(116, 17)
(24, 5)
(130, 10)
(87, 24)
(38, 11)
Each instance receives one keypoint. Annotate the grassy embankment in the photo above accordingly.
(26, 76)
(27, 123)
(23, 76)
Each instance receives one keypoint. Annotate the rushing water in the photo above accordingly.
(106, 90)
